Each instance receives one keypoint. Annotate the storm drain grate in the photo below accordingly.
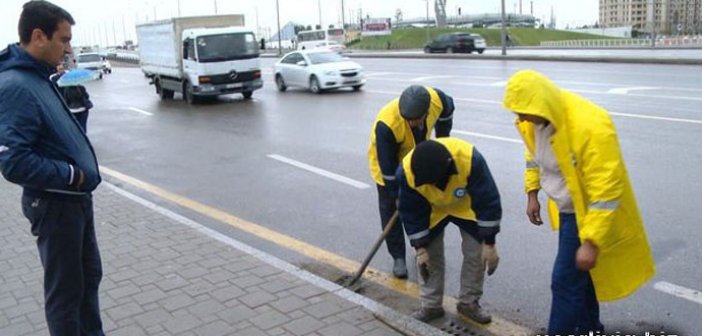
(453, 327)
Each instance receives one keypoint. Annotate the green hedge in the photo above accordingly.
(416, 38)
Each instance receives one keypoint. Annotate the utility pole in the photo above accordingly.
(652, 9)
(343, 17)
(504, 30)
(319, 7)
(427, 27)
(178, 8)
(114, 32)
(215, 4)
(277, 11)
(124, 30)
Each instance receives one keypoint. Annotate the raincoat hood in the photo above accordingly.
(14, 57)
(529, 92)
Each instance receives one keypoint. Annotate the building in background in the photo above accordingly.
(669, 16)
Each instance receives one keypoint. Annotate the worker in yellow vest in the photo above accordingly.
(446, 181)
(573, 155)
(400, 125)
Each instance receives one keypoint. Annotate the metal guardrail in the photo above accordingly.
(686, 41)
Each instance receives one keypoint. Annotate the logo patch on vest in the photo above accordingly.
(459, 192)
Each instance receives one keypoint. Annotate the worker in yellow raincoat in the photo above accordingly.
(573, 155)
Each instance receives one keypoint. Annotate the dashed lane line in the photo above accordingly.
(320, 171)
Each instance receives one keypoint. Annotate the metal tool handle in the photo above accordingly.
(391, 223)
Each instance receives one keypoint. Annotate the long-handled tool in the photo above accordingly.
(349, 281)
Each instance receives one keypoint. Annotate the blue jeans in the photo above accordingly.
(574, 306)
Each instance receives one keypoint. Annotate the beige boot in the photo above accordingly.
(474, 312)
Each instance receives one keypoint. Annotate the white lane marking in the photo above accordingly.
(679, 291)
(639, 116)
(376, 74)
(428, 78)
(140, 111)
(397, 319)
(627, 115)
(319, 171)
(625, 90)
(487, 136)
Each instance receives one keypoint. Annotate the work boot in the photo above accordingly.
(474, 312)
(399, 268)
(427, 314)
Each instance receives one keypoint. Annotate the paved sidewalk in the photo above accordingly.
(166, 275)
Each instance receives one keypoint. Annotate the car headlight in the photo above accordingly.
(331, 73)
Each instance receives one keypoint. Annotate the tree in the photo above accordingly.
(317, 27)
(398, 15)
(309, 27)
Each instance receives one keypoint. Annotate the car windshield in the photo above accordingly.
(88, 58)
(324, 57)
(225, 47)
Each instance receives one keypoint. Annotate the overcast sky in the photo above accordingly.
(98, 20)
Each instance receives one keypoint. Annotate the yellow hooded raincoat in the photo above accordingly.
(587, 150)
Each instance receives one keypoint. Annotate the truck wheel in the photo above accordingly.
(314, 85)
(188, 93)
(247, 94)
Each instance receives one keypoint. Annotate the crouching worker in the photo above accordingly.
(446, 181)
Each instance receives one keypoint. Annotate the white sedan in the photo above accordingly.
(318, 70)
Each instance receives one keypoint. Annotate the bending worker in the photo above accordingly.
(399, 127)
(446, 181)
(573, 155)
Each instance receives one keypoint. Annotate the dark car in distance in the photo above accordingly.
(456, 43)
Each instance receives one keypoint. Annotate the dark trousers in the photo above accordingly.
(82, 118)
(574, 306)
(69, 253)
(396, 237)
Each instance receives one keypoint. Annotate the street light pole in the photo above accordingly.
(504, 30)
(277, 12)
(178, 8)
(427, 26)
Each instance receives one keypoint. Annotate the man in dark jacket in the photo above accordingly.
(446, 181)
(400, 125)
(44, 150)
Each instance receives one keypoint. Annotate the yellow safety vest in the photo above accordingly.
(454, 200)
(390, 116)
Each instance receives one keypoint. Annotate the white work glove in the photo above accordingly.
(423, 263)
(489, 258)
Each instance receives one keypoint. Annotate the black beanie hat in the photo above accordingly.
(430, 162)
(414, 102)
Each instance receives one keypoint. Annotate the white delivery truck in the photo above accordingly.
(200, 56)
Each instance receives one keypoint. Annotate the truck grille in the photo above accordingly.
(235, 77)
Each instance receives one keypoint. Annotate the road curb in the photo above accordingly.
(595, 59)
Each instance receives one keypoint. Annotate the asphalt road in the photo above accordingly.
(231, 155)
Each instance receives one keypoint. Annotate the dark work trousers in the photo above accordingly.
(82, 118)
(574, 306)
(69, 253)
(396, 237)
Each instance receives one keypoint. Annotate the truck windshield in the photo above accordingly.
(88, 58)
(225, 47)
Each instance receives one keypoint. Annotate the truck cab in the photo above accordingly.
(219, 61)
(200, 56)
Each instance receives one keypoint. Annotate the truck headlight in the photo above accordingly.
(206, 88)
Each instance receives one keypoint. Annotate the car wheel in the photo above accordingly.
(280, 83)
(449, 50)
(427, 50)
(188, 93)
(357, 87)
(480, 51)
(247, 94)
(314, 85)
(100, 76)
